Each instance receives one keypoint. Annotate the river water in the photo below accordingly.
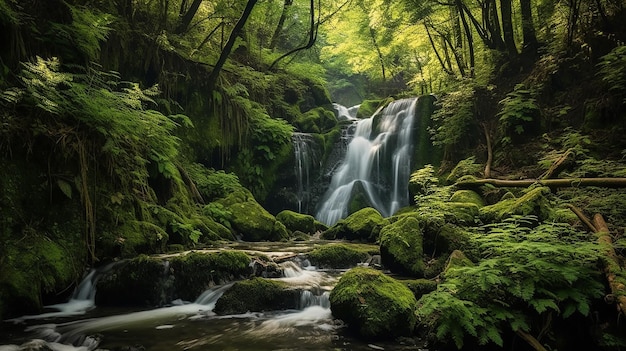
(80, 325)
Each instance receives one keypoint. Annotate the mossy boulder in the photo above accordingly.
(251, 220)
(420, 287)
(533, 202)
(195, 272)
(337, 256)
(457, 259)
(317, 120)
(363, 225)
(466, 167)
(401, 247)
(297, 221)
(368, 107)
(373, 305)
(467, 196)
(257, 295)
(140, 281)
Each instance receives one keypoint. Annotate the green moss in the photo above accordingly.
(297, 221)
(420, 287)
(257, 295)
(467, 196)
(533, 202)
(137, 237)
(337, 256)
(373, 305)
(251, 220)
(363, 225)
(466, 167)
(317, 120)
(424, 151)
(368, 107)
(401, 247)
(195, 272)
(136, 282)
(457, 259)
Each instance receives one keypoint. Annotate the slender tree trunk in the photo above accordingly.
(552, 183)
(212, 80)
(528, 27)
(312, 34)
(188, 16)
(281, 23)
(470, 40)
(432, 43)
(381, 58)
(507, 27)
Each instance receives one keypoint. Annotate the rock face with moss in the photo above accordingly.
(401, 246)
(363, 225)
(250, 220)
(373, 305)
(257, 295)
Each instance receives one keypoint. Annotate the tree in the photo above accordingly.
(230, 43)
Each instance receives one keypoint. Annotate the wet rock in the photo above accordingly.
(257, 295)
(297, 222)
(373, 305)
(337, 256)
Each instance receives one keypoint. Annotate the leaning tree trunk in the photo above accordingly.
(212, 80)
(281, 23)
(551, 183)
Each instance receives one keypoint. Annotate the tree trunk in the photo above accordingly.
(613, 266)
(552, 183)
(212, 80)
(281, 23)
(489, 152)
(432, 43)
(507, 27)
(312, 35)
(185, 20)
(528, 28)
(470, 40)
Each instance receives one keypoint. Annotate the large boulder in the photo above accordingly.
(373, 305)
(250, 220)
(363, 225)
(533, 202)
(401, 246)
(295, 221)
(257, 295)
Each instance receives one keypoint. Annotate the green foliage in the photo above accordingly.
(613, 71)
(519, 109)
(423, 181)
(525, 271)
(88, 28)
(213, 184)
(454, 117)
(218, 213)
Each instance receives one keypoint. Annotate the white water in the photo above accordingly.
(346, 113)
(306, 160)
(379, 161)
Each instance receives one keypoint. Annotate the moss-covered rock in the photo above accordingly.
(401, 247)
(466, 167)
(257, 295)
(337, 256)
(317, 120)
(373, 305)
(363, 225)
(297, 221)
(196, 272)
(457, 259)
(140, 281)
(368, 107)
(533, 202)
(467, 196)
(251, 220)
(420, 287)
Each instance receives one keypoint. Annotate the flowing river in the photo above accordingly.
(80, 325)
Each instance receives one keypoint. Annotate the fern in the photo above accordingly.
(527, 269)
(519, 108)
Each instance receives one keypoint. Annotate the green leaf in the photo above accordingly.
(65, 187)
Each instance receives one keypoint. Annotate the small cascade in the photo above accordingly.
(376, 166)
(307, 159)
(346, 113)
(308, 299)
(82, 300)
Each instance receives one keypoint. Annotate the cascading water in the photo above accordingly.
(307, 158)
(346, 113)
(376, 165)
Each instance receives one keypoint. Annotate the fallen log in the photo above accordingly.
(618, 289)
(551, 183)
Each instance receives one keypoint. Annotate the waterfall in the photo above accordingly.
(307, 159)
(376, 164)
(346, 113)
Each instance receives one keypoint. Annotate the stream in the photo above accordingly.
(80, 325)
